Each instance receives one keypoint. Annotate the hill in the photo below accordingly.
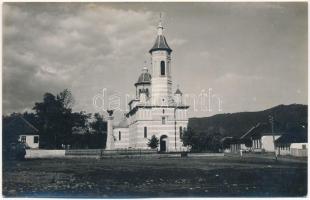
(236, 124)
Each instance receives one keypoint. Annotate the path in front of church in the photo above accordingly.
(167, 177)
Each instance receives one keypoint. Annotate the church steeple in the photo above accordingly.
(160, 42)
(145, 70)
(161, 69)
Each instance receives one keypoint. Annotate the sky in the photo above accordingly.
(244, 56)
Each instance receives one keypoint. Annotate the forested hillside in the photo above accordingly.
(236, 124)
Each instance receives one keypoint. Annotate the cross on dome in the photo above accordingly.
(160, 42)
(160, 27)
(144, 68)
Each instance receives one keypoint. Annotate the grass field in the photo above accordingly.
(166, 177)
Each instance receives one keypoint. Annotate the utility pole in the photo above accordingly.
(271, 120)
(175, 129)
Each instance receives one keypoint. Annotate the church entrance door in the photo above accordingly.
(163, 143)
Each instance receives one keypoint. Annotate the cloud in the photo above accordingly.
(177, 42)
(244, 51)
(47, 49)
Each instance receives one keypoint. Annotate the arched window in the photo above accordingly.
(119, 135)
(162, 68)
(145, 132)
(147, 92)
(181, 131)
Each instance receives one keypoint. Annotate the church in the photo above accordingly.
(156, 110)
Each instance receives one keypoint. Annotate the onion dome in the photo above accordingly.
(160, 42)
(144, 78)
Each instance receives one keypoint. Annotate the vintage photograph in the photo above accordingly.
(154, 99)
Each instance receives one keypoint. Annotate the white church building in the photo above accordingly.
(156, 109)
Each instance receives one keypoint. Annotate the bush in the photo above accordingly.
(153, 142)
(20, 151)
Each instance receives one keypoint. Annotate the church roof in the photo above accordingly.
(144, 78)
(178, 91)
(160, 44)
(122, 124)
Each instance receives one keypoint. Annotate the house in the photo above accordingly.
(23, 131)
(262, 138)
(234, 145)
(293, 143)
(239, 144)
(225, 142)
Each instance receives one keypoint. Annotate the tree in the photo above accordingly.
(193, 139)
(66, 99)
(200, 141)
(213, 142)
(8, 136)
(56, 119)
(99, 126)
(58, 124)
(48, 114)
(153, 142)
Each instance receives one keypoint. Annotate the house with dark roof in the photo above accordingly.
(24, 130)
(233, 144)
(262, 137)
(258, 138)
(293, 143)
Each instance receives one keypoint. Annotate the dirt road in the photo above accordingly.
(169, 177)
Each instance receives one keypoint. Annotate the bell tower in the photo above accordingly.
(161, 70)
